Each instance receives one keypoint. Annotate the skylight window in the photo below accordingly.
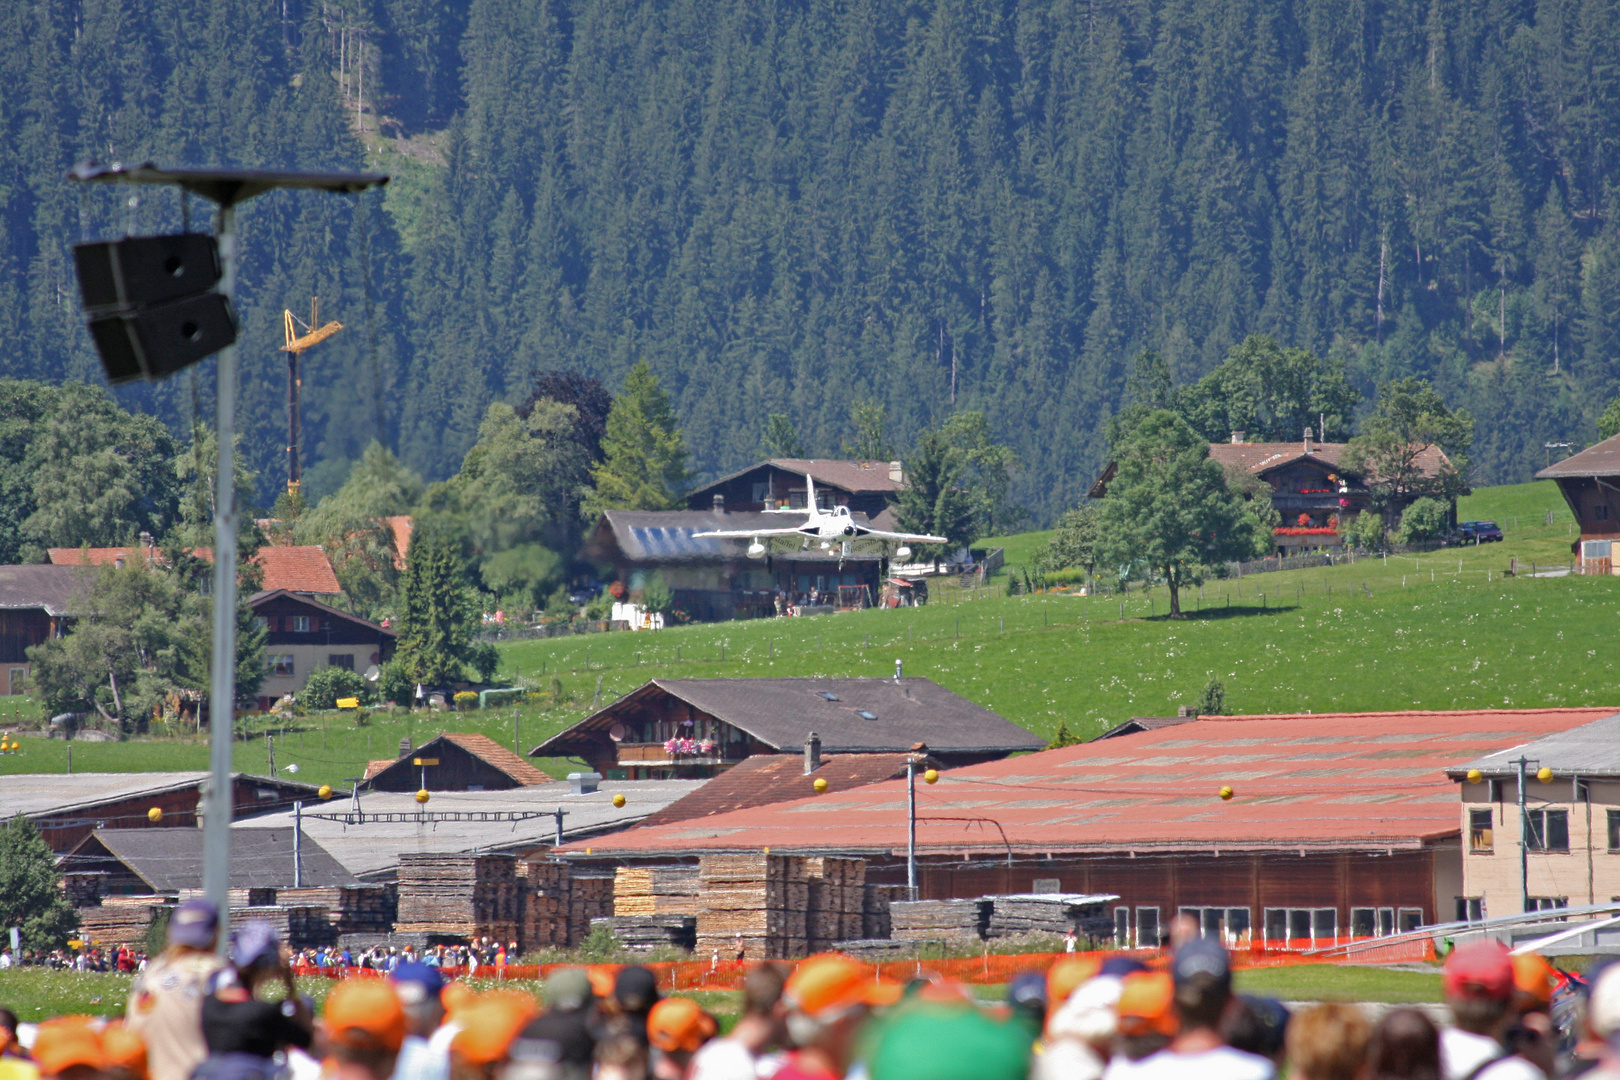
(864, 715)
(828, 694)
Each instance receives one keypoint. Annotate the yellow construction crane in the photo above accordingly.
(295, 347)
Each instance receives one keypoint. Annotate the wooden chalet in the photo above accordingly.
(1590, 484)
(455, 762)
(694, 728)
(36, 604)
(866, 487)
(714, 580)
(305, 634)
(1310, 489)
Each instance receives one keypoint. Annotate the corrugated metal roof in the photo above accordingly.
(1156, 791)
(855, 477)
(772, 778)
(40, 794)
(781, 713)
(1591, 750)
(1599, 459)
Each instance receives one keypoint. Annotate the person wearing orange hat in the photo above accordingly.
(1478, 984)
(1146, 1020)
(1067, 974)
(489, 1025)
(362, 1029)
(125, 1052)
(69, 1048)
(677, 1028)
(1532, 1034)
(827, 999)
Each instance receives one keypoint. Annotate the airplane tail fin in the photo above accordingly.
(810, 493)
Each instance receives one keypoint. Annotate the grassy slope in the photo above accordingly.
(1430, 636)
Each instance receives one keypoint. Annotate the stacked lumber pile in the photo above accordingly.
(84, 890)
(645, 933)
(939, 920)
(876, 950)
(238, 897)
(1038, 913)
(753, 904)
(547, 892)
(469, 896)
(655, 890)
(836, 901)
(589, 897)
(274, 914)
(365, 909)
(875, 901)
(121, 920)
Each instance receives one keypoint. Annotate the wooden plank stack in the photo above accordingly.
(352, 909)
(471, 896)
(121, 920)
(1012, 916)
(836, 901)
(589, 897)
(875, 901)
(655, 890)
(644, 933)
(939, 920)
(547, 891)
(753, 904)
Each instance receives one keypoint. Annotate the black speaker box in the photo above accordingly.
(146, 269)
(164, 338)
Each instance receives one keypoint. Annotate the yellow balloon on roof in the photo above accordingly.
(1544, 774)
(1475, 776)
(422, 795)
(1226, 793)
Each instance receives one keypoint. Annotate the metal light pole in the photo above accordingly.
(226, 188)
(911, 828)
(1524, 839)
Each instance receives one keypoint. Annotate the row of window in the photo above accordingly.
(1292, 926)
(1548, 830)
(1472, 908)
(282, 663)
(292, 624)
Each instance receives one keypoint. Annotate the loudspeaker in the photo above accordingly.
(146, 269)
(160, 339)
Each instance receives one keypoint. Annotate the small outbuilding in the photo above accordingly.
(455, 762)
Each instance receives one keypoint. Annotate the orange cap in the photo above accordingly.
(1145, 1004)
(1534, 976)
(1067, 974)
(490, 1023)
(63, 1043)
(832, 982)
(124, 1049)
(365, 1014)
(456, 996)
(678, 1023)
(602, 977)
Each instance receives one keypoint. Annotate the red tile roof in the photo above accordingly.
(1346, 781)
(499, 756)
(772, 778)
(296, 569)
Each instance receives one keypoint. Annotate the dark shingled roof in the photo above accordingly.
(852, 476)
(482, 747)
(781, 712)
(169, 860)
(1144, 723)
(667, 536)
(1600, 459)
(771, 778)
(39, 586)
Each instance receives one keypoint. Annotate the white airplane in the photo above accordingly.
(830, 527)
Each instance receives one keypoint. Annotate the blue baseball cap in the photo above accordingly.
(1201, 956)
(194, 924)
(254, 944)
(416, 983)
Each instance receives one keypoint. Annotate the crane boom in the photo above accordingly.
(296, 344)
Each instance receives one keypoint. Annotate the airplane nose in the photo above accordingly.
(849, 530)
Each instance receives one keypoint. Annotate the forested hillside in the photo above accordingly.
(798, 205)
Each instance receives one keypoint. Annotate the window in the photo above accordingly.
(1122, 927)
(1147, 928)
(1300, 926)
(1548, 903)
(264, 622)
(1218, 922)
(1602, 511)
(1047, 885)
(1325, 924)
(1548, 831)
(280, 664)
(1479, 830)
(342, 660)
(1410, 919)
(1386, 921)
(298, 624)
(17, 676)
(1614, 830)
(1469, 908)
(1237, 921)
(1372, 922)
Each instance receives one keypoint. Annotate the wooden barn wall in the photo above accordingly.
(457, 770)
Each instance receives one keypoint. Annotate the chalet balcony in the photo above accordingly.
(645, 754)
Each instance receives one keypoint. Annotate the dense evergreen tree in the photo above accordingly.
(643, 464)
(31, 895)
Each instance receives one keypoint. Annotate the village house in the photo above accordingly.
(1590, 484)
(1310, 489)
(297, 568)
(693, 728)
(304, 634)
(1336, 825)
(866, 487)
(36, 604)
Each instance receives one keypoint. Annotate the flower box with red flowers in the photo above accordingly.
(1324, 530)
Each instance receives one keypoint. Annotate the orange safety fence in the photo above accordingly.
(988, 968)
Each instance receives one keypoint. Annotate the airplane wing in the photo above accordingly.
(865, 533)
(745, 534)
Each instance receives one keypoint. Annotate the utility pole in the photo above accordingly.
(1524, 842)
(298, 845)
(911, 828)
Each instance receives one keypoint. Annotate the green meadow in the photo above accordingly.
(1445, 630)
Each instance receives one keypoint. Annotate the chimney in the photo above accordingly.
(719, 503)
(897, 472)
(898, 673)
(146, 542)
(118, 561)
(404, 747)
(812, 753)
(1239, 436)
(1307, 438)
(1185, 710)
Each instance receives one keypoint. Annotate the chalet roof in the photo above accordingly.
(1591, 750)
(667, 536)
(38, 795)
(260, 598)
(781, 712)
(855, 477)
(1324, 782)
(297, 568)
(482, 747)
(1145, 723)
(772, 778)
(47, 587)
(1261, 458)
(170, 860)
(1599, 459)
